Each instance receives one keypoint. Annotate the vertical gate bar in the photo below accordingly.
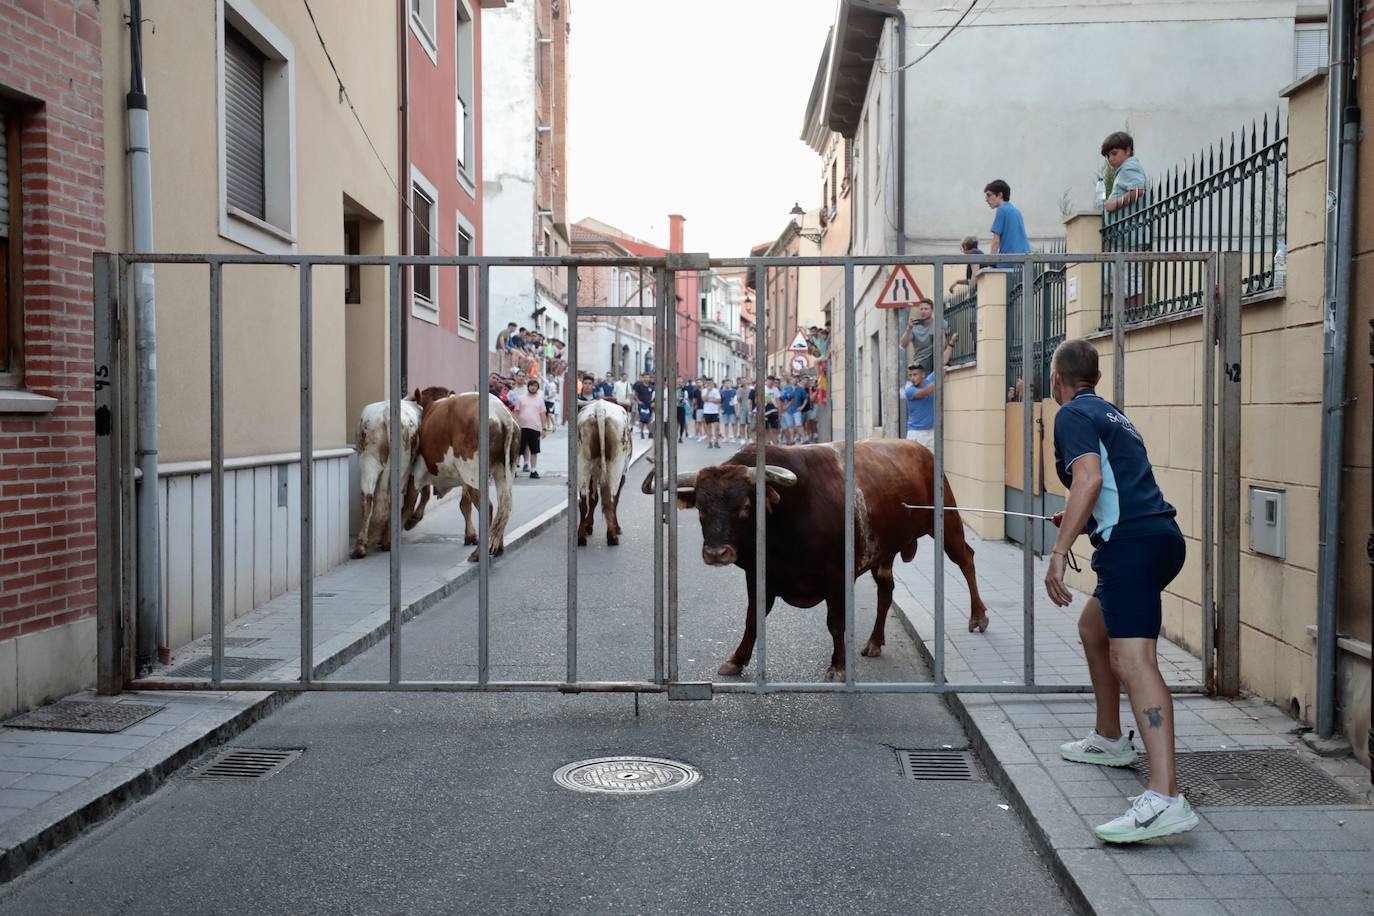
(660, 431)
(483, 469)
(573, 516)
(1030, 394)
(1228, 562)
(1119, 332)
(109, 470)
(217, 474)
(395, 316)
(671, 382)
(760, 480)
(850, 433)
(1209, 451)
(939, 490)
(307, 646)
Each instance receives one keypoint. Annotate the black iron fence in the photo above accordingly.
(962, 317)
(1229, 197)
(1048, 299)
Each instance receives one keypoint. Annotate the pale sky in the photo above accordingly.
(693, 107)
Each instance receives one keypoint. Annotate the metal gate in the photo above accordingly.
(117, 356)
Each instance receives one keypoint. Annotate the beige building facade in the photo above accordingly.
(321, 181)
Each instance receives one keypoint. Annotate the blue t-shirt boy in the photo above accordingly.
(727, 398)
(1131, 503)
(920, 404)
(1011, 232)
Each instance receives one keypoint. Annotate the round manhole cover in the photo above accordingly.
(621, 775)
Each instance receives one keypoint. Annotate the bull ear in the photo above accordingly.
(416, 396)
(773, 497)
(686, 497)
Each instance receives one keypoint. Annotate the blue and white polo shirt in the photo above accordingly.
(1130, 503)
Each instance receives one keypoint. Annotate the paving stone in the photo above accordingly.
(1188, 908)
(105, 754)
(1148, 859)
(48, 782)
(1291, 862)
(80, 768)
(1209, 862)
(1328, 906)
(1170, 887)
(23, 798)
(1303, 887)
(1242, 886)
(1261, 907)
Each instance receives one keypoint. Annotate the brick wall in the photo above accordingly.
(50, 52)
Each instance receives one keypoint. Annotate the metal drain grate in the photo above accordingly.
(936, 764)
(243, 642)
(236, 668)
(627, 775)
(83, 716)
(248, 763)
(1251, 778)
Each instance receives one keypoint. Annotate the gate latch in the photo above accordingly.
(692, 690)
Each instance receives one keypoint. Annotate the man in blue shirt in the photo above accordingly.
(920, 405)
(727, 409)
(1113, 497)
(1008, 228)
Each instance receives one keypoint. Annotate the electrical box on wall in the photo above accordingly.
(1266, 521)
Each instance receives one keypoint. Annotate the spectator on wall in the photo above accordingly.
(1127, 196)
(968, 246)
(1008, 227)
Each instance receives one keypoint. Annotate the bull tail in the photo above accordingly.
(601, 433)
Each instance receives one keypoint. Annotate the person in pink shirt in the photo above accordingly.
(529, 413)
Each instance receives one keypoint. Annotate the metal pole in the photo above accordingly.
(661, 431)
(307, 480)
(760, 483)
(1119, 333)
(1209, 461)
(1228, 562)
(217, 474)
(939, 489)
(484, 339)
(574, 518)
(850, 434)
(110, 470)
(670, 370)
(393, 480)
(1029, 397)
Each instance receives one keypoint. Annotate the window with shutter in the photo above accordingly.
(463, 81)
(422, 207)
(464, 277)
(424, 16)
(1310, 47)
(245, 160)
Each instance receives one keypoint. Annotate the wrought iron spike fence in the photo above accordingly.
(1049, 318)
(962, 318)
(1229, 197)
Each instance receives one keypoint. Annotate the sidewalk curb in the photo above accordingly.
(28, 838)
(1013, 770)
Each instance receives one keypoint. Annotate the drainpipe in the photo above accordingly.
(1343, 127)
(404, 241)
(149, 636)
(898, 317)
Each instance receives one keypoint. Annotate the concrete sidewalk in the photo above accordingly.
(1250, 860)
(53, 784)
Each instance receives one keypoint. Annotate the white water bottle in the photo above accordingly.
(1100, 192)
(1281, 266)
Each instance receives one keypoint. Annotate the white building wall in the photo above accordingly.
(595, 340)
(508, 166)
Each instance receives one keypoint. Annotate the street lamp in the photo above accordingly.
(811, 235)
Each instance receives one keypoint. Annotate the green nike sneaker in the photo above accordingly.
(1151, 815)
(1101, 751)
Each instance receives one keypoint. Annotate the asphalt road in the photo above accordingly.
(444, 803)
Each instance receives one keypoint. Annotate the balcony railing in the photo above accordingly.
(962, 315)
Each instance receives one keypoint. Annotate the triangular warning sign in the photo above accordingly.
(800, 342)
(901, 290)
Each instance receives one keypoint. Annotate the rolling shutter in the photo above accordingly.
(243, 125)
(4, 178)
(1309, 48)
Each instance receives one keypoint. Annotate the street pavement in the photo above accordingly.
(444, 803)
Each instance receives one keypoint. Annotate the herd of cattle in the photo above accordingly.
(804, 491)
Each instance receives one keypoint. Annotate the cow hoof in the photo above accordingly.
(834, 673)
(469, 540)
(359, 552)
(730, 669)
(978, 624)
(872, 650)
(474, 556)
(612, 540)
(581, 540)
(384, 547)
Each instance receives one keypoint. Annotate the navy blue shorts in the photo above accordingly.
(1131, 574)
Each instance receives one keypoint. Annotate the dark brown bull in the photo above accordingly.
(805, 529)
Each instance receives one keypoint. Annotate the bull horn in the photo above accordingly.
(686, 479)
(777, 476)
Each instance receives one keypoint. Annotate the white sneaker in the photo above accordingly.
(1099, 750)
(1151, 815)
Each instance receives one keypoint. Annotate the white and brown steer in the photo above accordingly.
(446, 457)
(374, 453)
(604, 449)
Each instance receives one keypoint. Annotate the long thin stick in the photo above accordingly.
(1047, 518)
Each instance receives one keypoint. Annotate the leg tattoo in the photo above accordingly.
(1155, 717)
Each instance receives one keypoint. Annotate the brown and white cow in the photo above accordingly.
(446, 457)
(604, 450)
(805, 529)
(374, 452)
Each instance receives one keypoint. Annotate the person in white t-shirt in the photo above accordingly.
(710, 413)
